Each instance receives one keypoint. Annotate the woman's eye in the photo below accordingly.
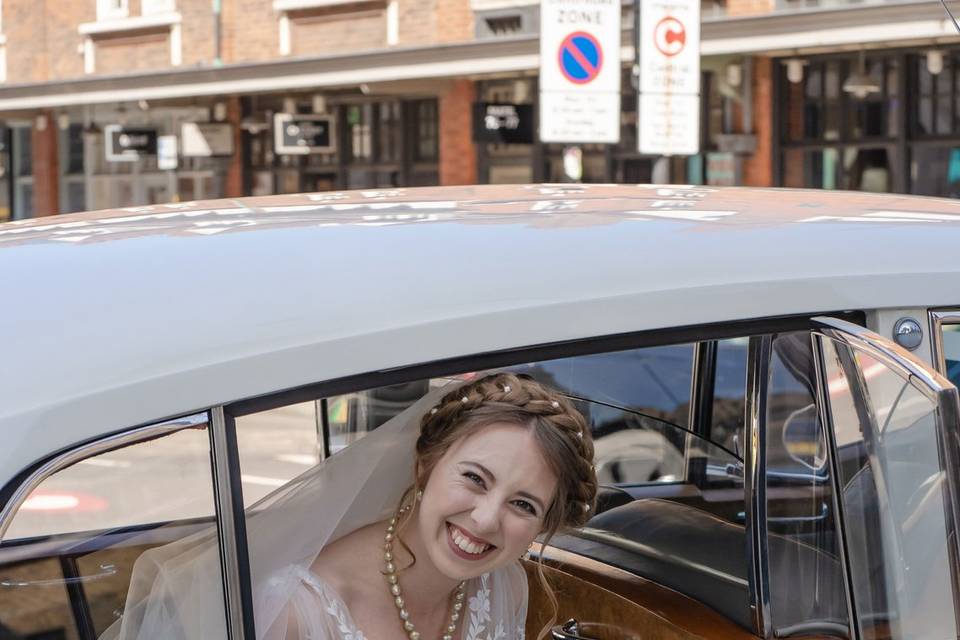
(474, 478)
(526, 506)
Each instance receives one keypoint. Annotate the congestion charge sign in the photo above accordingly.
(580, 71)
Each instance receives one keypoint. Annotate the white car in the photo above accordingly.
(769, 375)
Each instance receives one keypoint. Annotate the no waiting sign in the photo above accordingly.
(669, 114)
(580, 71)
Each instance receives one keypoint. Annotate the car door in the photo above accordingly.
(892, 425)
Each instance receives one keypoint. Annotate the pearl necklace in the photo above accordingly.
(390, 571)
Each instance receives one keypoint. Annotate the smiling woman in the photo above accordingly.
(414, 531)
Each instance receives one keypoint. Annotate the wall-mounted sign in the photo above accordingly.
(303, 134)
(167, 153)
(580, 71)
(127, 145)
(501, 122)
(205, 139)
(669, 113)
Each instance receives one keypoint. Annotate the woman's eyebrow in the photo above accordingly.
(482, 470)
(492, 478)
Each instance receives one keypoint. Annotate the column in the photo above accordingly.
(46, 165)
(458, 155)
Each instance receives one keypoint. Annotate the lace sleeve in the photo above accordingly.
(497, 605)
(312, 610)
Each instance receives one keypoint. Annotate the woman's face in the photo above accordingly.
(485, 500)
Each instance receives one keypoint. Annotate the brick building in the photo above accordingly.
(823, 93)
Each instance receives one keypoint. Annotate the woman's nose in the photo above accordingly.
(486, 515)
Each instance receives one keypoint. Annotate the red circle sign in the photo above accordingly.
(669, 36)
(580, 57)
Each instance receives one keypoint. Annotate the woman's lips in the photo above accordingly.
(460, 553)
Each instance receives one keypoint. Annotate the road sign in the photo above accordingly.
(303, 134)
(580, 71)
(581, 57)
(669, 113)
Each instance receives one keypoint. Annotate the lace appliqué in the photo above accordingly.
(338, 611)
(334, 606)
(479, 604)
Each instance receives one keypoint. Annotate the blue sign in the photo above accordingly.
(580, 57)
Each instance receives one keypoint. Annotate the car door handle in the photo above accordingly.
(574, 630)
(106, 570)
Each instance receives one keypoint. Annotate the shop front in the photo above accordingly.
(883, 121)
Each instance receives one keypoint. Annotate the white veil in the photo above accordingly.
(175, 590)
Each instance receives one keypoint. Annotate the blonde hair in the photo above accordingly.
(559, 429)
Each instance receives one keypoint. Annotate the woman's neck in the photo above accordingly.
(425, 589)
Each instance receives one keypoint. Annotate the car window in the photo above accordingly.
(806, 578)
(894, 496)
(67, 556)
(277, 445)
(637, 403)
(727, 416)
(951, 352)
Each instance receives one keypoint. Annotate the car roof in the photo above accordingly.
(119, 317)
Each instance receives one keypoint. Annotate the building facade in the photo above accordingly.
(119, 103)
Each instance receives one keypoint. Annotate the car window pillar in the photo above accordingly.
(231, 526)
(755, 463)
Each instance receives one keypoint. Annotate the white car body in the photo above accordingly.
(116, 318)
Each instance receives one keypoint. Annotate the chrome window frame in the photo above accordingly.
(88, 450)
(220, 470)
(938, 318)
(755, 481)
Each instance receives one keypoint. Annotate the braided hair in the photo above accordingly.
(559, 429)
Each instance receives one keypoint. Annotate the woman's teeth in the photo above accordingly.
(467, 545)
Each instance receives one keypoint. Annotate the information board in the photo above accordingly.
(127, 145)
(580, 71)
(296, 134)
(669, 45)
(499, 122)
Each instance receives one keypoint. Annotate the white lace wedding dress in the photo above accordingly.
(322, 615)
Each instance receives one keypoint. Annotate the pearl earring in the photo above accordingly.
(420, 494)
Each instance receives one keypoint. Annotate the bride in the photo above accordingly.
(412, 533)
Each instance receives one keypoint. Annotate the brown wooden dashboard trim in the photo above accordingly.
(672, 606)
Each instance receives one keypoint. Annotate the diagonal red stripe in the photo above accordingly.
(580, 58)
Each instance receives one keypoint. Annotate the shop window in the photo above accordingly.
(935, 170)
(427, 134)
(388, 132)
(72, 180)
(22, 152)
(359, 122)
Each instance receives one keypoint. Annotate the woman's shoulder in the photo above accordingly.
(343, 564)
